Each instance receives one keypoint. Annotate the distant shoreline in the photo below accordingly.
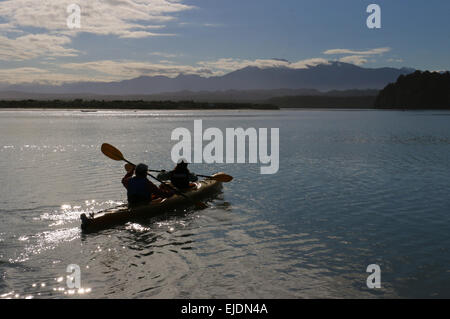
(3, 109)
(285, 103)
(92, 105)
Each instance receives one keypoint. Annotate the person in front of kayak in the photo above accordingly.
(139, 189)
(180, 176)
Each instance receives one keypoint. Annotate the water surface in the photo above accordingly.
(354, 188)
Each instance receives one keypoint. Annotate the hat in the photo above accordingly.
(182, 163)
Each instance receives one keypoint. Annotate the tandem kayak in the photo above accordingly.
(122, 214)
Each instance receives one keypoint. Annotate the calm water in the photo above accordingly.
(354, 188)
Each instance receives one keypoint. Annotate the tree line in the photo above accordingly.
(132, 104)
(418, 90)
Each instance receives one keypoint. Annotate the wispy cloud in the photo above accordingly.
(304, 64)
(35, 45)
(357, 57)
(376, 51)
(125, 69)
(354, 59)
(395, 60)
(195, 24)
(45, 27)
(44, 76)
(110, 70)
(165, 54)
(123, 18)
(225, 65)
(115, 70)
(213, 25)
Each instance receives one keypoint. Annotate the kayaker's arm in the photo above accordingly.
(127, 177)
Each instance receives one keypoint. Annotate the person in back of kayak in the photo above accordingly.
(180, 176)
(139, 188)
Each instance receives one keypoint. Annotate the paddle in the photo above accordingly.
(220, 177)
(114, 154)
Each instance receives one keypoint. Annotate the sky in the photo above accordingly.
(123, 39)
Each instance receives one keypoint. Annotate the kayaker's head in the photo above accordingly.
(141, 170)
(181, 166)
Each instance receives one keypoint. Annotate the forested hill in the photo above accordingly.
(418, 90)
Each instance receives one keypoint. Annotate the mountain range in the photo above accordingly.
(322, 77)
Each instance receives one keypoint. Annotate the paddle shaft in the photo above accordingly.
(156, 171)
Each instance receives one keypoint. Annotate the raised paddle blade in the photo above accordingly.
(112, 152)
(222, 177)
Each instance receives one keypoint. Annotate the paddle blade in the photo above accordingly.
(222, 177)
(112, 152)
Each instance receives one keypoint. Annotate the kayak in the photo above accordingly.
(122, 214)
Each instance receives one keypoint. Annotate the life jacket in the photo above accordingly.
(138, 191)
(180, 179)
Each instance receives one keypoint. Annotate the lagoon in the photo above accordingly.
(354, 188)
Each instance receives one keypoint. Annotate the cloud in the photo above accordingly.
(35, 45)
(224, 65)
(115, 70)
(43, 76)
(304, 64)
(194, 24)
(8, 27)
(212, 25)
(357, 57)
(123, 18)
(376, 51)
(50, 36)
(354, 59)
(125, 69)
(395, 60)
(165, 54)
